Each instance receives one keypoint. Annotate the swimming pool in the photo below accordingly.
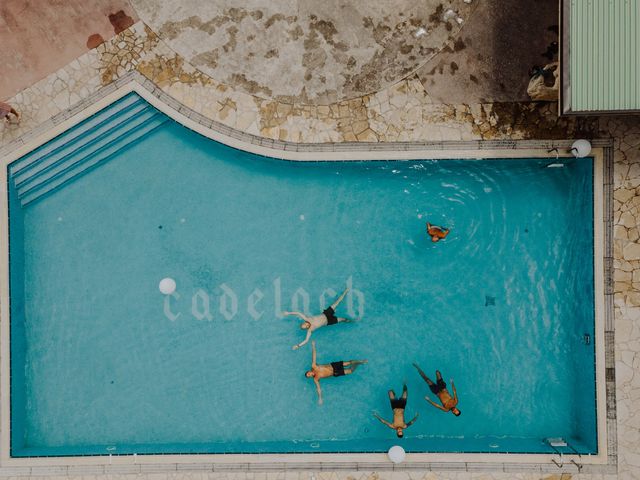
(103, 363)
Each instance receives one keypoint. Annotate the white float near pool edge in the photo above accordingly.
(327, 459)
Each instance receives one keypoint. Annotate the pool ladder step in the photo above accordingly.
(556, 444)
(77, 133)
(84, 147)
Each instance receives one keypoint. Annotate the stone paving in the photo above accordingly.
(309, 475)
(492, 54)
(401, 111)
(302, 51)
(39, 37)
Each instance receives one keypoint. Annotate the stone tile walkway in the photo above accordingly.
(304, 51)
(39, 37)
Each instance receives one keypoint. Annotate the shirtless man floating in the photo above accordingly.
(436, 233)
(334, 369)
(440, 390)
(327, 317)
(398, 405)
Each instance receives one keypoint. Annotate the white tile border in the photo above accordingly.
(306, 152)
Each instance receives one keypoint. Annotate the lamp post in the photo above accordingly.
(581, 148)
(396, 454)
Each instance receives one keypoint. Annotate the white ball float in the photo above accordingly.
(581, 148)
(167, 286)
(396, 454)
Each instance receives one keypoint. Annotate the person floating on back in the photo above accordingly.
(6, 110)
(398, 405)
(440, 390)
(334, 369)
(437, 233)
(327, 317)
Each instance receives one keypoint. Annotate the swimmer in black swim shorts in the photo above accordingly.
(398, 405)
(334, 369)
(312, 323)
(439, 389)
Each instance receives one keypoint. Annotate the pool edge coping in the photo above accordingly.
(603, 302)
(337, 151)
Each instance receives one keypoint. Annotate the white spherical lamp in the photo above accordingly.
(167, 286)
(396, 454)
(581, 148)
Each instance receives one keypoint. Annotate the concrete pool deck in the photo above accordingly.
(403, 111)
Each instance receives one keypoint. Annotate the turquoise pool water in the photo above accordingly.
(101, 365)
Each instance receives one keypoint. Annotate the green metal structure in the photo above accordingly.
(600, 56)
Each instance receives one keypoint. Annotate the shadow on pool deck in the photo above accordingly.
(492, 56)
(488, 61)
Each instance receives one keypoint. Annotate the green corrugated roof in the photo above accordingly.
(604, 51)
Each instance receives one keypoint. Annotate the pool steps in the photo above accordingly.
(83, 147)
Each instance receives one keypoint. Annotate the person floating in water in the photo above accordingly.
(440, 390)
(334, 369)
(327, 317)
(398, 405)
(437, 233)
